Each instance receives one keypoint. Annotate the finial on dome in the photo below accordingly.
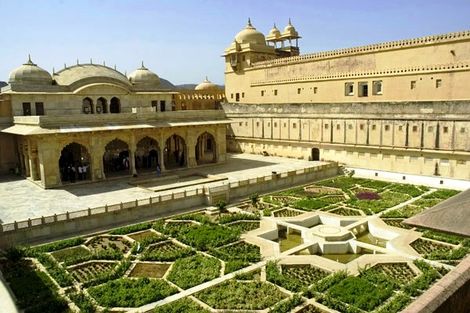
(290, 21)
(104, 63)
(53, 70)
(125, 73)
(91, 61)
(142, 67)
(274, 25)
(29, 58)
(115, 67)
(78, 61)
(65, 65)
(249, 22)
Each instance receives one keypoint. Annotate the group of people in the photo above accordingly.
(74, 172)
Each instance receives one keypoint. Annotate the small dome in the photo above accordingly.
(31, 74)
(289, 31)
(274, 33)
(250, 35)
(206, 85)
(144, 76)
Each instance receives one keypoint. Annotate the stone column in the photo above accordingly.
(191, 141)
(27, 171)
(33, 164)
(132, 149)
(162, 152)
(220, 144)
(48, 156)
(96, 158)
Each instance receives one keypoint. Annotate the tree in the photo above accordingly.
(254, 198)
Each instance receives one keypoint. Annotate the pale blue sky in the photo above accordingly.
(183, 40)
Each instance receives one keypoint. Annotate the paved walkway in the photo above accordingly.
(22, 199)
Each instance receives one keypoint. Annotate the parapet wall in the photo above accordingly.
(48, 228)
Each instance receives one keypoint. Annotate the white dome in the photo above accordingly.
(206, 85)
(290, 31)
(250, 35)
(144, 76)
(31, 74)
(274, 33)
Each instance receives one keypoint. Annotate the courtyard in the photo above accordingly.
(22, 199)
(333, 245)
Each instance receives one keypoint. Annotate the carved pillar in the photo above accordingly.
(132, 149)
(220, 144)
(191, 142)
(97, 149)
(162, 151)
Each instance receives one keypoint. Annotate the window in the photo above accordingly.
(243, 95)
(374, 126)
(400, 128)
(87, 106)
(240, 124)
(363, 89)
(246, 123)
(361, 126)
(315, 90)
(262, 93)
(269, 124)
(237, 97)
(415, 128)
(377, 87)
(438, 83)
(39, 108)
(350, 126)
(413, 84)
(155, 105)
(275, 92)
(387, 128)
(294, 125)
(445, 129)
(285, 125)
(338, 126)
(275, 124)
(298, 91)
(162, 105)
(462, 130)
(430, 129)
(26, 108)
(349, 89)
(326, 126)
(231, 96)
(257, 124)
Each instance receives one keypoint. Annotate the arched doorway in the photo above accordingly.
(147, 155)
(74, 163)
(115, 105)
(315, 154)
(87, 106)
(101, 105)
(175, 152)
(205, 149)
(116, 158)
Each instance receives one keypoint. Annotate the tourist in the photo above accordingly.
(159, 170)
(80, 172)
(84, 172)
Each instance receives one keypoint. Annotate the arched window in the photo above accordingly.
(115, 105)
(87, 106)
(101, 105)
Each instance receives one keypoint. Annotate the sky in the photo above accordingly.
(183, 41)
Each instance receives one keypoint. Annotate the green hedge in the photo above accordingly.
(184, 305)
(83, 302)
(131, 228)
(60, 275)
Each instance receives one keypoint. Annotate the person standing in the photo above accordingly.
(80, 172)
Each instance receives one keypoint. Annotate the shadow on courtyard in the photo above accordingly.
(233, 164)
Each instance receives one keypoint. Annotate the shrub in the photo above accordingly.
(59, 245)
(184, 305)
(287, 306)
(61, 276)
(398, 303)
(309, 204)
(131, 228)
(367, 195)
(126, 292)
(236, 295)
(194, 270)
(83, 302)
(224, 219)
(204, 237)
(441, 194)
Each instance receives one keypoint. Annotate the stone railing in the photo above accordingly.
(391, 45)
(126, 118)
(68, 216)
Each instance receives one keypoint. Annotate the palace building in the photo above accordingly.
(90, 122)
(401, 106)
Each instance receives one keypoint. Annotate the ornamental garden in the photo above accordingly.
(337, 245)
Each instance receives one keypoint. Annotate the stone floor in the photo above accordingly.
(22, 199)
